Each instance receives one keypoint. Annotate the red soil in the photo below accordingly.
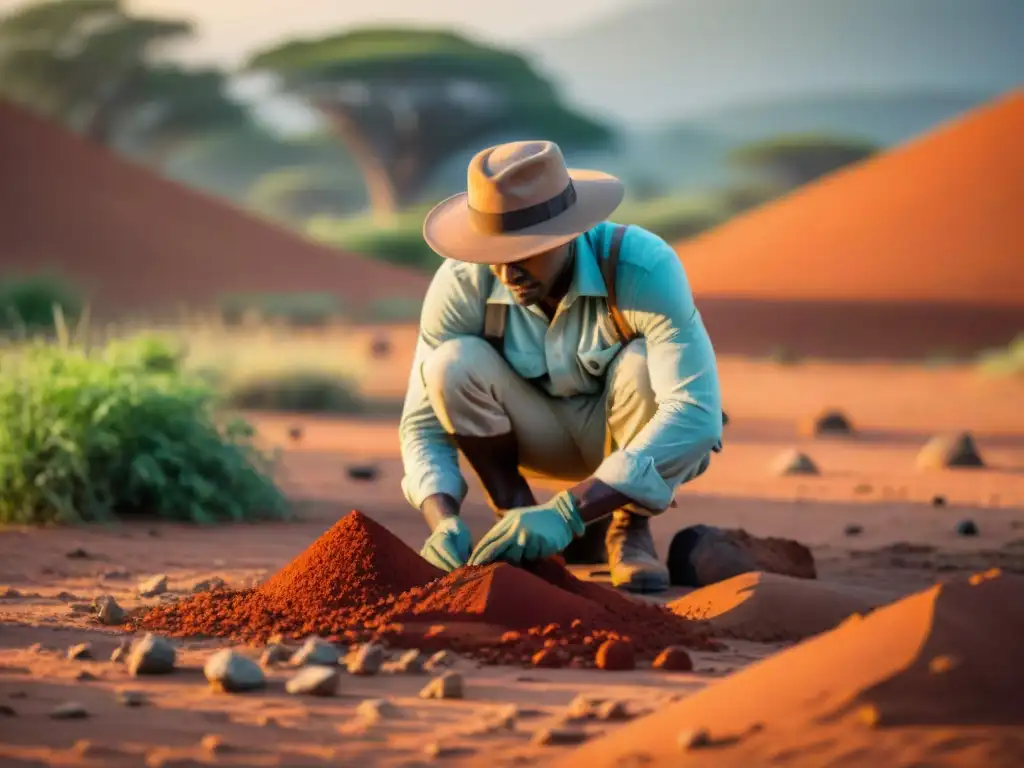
(918, 250)
(359, 582)
(146, 244)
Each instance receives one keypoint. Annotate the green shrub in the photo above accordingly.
(298, 310)
(27, 303)
(395, 309)
(400, 242)
(294, 391)
(120, 431)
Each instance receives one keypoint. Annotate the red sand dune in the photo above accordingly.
(144, 244)
(927, 676)
(915, 251)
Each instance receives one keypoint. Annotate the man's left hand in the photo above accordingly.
(531, 533)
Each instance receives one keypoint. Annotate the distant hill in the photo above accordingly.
(678, 59)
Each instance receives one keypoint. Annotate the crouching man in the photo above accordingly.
(556, 343)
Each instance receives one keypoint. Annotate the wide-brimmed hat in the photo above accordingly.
(520, 200)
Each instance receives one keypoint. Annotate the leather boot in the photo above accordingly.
(589, 549)
(496, 462)
(632, 558)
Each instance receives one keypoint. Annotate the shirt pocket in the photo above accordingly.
(595, 361)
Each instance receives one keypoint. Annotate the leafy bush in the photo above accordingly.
(294, 391)
(298, 310)
(27, 303)
(120, 431)
(399, 242)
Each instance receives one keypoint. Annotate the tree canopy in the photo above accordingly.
(796, 159)
(406, 100)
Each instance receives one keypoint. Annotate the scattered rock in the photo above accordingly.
(380, 347)
(317, 651)
(558, 737)
(613, 711)
(131, 698)
(108, 612)
(853, 529)
(232, 672)
(363, 472)
(446, 686)
(116, 574)
(950, 452)
(440, 661)
(208, 585)
(938, 501)
(967, 528)
(436, 750)
(85, 676)
(702, 554)
(214, 744)
(549, 658)
(828, 423)
(375, 710)
(6, 710)
(315, 680)
(366, 660)
(693, 739)
(582, 707)
(410, 663)
(77, 554)
(616, 656)
(120, 653)
(274, 654)
(153, 586)
(675, 658)
(295, 433)
(152, 655)
(10, 592)
(80, 608)
(69, 710)
(80, 652)
(792, 462)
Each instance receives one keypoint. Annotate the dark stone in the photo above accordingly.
(967, 528)
(364, 472)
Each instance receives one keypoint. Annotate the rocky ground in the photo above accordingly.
(872, 518)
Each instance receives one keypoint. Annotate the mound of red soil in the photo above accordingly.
(144, 244)
(359, 582)
(915, 250)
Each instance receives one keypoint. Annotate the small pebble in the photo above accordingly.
(317, 651)
(120, 653)
(967, 528)
(938, 501)
(362, 472)
(439, 661)
(109, 612)
(581, 707)
(77, 554)
(674, 659)
(69, 710)
(410, 663)
(208, 585)
(315, 680)
(153, 586)
(295, 433)
(616, 655)
(152, 655)
(232, 672)
(436, 750)
(80, 652)
(366, 661)
(446, 686)
(613, 711)
(375, 710)
(131, 698)
(274, 654)
(853, 529)
(693, 739)
(558, 737)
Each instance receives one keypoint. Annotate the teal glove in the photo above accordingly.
(449, 545)
(531, 533)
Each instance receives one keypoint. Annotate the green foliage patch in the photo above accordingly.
(297, 310)
(93, 436)
(27, 303)
(295, 392)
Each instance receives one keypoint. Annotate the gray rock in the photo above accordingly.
(69, 710)
(315, 680)
(410, 663)
(120, 653)
(275, 654)
(153, 586)
(693, 739)
(446, 686)
(316, 650)
(109, 612)
(152, 655)
(853, 529)
(613, 711)
(366, 660)
(131, 698)
(558, 737)
(582, 707)
(232, 672)
(793, 462)
(950, 452)
(440, 661)
(80, 652)
(79, 608)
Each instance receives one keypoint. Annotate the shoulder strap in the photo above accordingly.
(609, 267)
(495, 316)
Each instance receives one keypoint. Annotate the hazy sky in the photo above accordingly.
(231, 28)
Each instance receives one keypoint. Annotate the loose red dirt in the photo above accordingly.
(143, 244)
(359, 582)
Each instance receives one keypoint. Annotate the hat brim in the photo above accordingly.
(449, 231)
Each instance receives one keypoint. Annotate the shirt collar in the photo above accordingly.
(587, 279)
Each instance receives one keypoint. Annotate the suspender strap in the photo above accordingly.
(609, 267)
(495, 316)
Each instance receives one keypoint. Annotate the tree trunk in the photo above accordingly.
(381, 189)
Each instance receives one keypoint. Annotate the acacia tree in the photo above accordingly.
(406, 100)
(94, 67)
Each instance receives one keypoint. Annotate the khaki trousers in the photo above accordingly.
(474, 392)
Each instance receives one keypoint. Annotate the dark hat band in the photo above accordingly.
(524, 218)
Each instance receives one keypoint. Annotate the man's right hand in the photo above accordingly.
(449, 545)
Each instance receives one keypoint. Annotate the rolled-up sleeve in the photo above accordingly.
(453, 307)
(687, 426)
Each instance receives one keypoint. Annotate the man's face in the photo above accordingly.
(530, 280)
